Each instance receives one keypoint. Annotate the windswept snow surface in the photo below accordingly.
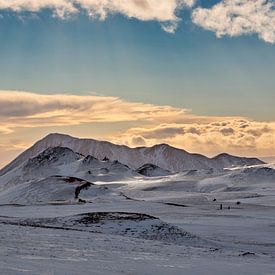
(63, 212)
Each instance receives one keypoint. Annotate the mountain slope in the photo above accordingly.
(229, 160)
(162, 155)
(62, 161)
(54, 189)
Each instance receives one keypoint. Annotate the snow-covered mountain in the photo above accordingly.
(229, 160)
(64, 162)
(58, 174)
(162, 155)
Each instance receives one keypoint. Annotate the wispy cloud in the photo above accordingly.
(22, 109)
(239, 17)
(163, 11)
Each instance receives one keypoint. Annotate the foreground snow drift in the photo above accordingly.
(135, 225)
(71, 213)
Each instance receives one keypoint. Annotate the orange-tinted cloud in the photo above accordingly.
(22, 109)
(238, 136)
(131, 123)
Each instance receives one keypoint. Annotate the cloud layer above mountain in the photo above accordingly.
(227, 17)
(21, 109)
(147, 124)
(238, 136)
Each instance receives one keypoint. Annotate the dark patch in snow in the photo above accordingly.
(176, 204)
(114, 216)
(151, 170)
(247, 254)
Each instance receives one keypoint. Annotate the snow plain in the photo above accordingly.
(127, 223)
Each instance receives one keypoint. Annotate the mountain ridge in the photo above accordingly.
(163, 155)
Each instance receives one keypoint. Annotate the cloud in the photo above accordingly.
(239, 17)
(141, 124)
(5, 130)
(22, 109)
(61, 8)
(227, 17)
(163, 11)
(138, 141)
(257, 138)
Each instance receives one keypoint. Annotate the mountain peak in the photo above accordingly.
(57, 136)
(223, 155)
(162, 155)
(52, 155)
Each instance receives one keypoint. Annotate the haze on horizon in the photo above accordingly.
(198, 75)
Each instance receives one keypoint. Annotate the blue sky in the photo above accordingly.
(138, 61)
(139, 72)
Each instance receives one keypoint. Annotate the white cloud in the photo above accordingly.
(227, 17)
(239, 17)
(170, 27)
(163, 11)
(60, 7)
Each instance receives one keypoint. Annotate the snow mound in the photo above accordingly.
(254, 175)
(151, 170)
(203, 172)
(56, 189)
(244, 179)
(126, 224)
(104, 170)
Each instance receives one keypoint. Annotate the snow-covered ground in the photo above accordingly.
(69, 214)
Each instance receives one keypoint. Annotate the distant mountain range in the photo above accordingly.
(63, 169)
(163, 156)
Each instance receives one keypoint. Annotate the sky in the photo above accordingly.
(198, 75)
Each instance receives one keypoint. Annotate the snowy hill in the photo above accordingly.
(229, 160)
(253, 175)
(55, 190)
(162, 155)
(242, 179)
(61, 161)
(151, 170)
